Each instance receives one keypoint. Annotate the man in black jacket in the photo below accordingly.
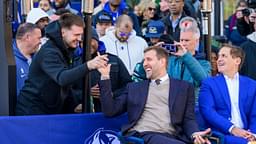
(119, 75)
(52, 72)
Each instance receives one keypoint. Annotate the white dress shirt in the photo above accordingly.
(233, 89)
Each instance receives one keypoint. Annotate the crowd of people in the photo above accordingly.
(147, 59)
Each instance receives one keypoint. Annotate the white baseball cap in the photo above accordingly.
(35, 15)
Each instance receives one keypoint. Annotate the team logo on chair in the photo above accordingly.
(102, 136)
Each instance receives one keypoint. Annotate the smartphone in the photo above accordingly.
(170, 47)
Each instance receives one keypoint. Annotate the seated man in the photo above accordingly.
(227, 102)
(186, 64)
(160, 110)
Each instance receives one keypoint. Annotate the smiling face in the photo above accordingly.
(34, 40)
(154, 67)
(72, 36)
(227, 64)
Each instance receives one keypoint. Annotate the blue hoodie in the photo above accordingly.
(22, 67)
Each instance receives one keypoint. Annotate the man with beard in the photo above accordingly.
(119, 75)
(52, 72)
(123, 42)
(160, 109)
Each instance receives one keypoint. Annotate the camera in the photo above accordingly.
(247, 11)
(170, 47)
(250, 9)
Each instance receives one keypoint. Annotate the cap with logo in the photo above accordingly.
(155, 29)
(103, 17)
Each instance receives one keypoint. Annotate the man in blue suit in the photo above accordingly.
(227, 102)
(160, 110)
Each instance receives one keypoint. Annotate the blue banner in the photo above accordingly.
(60, 129)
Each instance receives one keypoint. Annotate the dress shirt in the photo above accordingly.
(233, 89)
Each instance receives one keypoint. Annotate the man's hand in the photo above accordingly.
(98, 62)
(95, 91)
(198, 137)
(78, 108)
(104, 71)
(242, 133)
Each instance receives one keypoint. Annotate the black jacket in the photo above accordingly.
(175, 33)
(51, 75)
(249, 65)
(119, 77)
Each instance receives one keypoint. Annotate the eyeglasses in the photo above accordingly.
(151, 9)
(124, 34)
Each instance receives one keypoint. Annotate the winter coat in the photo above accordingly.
(51, 75)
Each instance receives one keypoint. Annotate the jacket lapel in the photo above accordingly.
(242, 96)
(172, 94)
(143, 93)
(223, 89)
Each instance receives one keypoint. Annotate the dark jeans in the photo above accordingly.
(156, 137)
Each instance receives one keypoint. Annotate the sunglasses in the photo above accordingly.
(123, 34)
(151, 9)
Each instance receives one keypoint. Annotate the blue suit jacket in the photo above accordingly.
(215, 107)
(134, 97)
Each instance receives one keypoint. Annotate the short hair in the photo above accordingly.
(189, 24)
(62, 11)
(160, 52)
(68, 20)
(25, 28)
(235, 52)
(123, 19)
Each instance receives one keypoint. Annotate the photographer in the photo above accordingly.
(231, 31)
(244, 25)
(249, 47)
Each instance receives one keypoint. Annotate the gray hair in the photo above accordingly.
(189, 24)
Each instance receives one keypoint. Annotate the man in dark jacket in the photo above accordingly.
(52, 72)
(249, 65)
(172, 20)
(119, 75)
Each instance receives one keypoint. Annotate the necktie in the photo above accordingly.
(157, 81)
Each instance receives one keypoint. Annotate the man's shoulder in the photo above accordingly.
(248, 80)
(179, 83)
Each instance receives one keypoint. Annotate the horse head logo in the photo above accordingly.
(102, 136)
